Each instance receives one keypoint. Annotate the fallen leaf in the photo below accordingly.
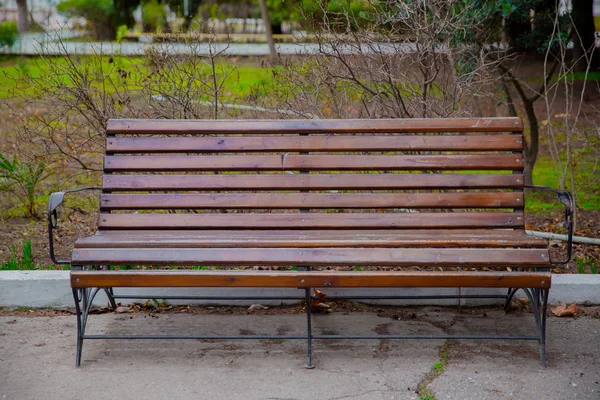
(255, 307)
(563, 310)
(318, 293)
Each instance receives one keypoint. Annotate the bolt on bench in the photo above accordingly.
(425, 193)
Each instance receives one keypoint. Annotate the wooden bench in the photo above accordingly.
(419, 194)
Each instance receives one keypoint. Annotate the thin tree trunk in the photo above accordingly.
(583, 36)
(268, 31)
(531, 146)
(22, 16)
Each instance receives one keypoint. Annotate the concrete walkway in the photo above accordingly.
(31, 44)
(37, 43)
(37, 354)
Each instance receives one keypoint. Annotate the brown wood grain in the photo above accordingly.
(115, 182)
(312, 220)
(470, 238)
(443, 257)
(312, 162)
(140, 126)
(315, 143)
(309, 200)
(308, 279)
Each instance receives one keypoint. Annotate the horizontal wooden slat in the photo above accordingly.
(312, 162)
(316, 238)
(310, 200)
(312, 279)
(319, 256)
(312, 220)
(315, 143)
(81, 279)
(310, 182)
(124, 126)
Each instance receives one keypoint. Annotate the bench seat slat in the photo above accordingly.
(311, 181)
(309, 200)
(315, 143)
(317, 238)
(312, 220)
(313, 162)
(311, 279)
(312, 256)
(407, 125)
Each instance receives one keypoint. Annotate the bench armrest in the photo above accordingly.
(54, 202)
(567, 200)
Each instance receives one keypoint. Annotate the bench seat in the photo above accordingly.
(476, 248)
(477, 238)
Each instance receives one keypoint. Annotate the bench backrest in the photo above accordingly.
(313, 174)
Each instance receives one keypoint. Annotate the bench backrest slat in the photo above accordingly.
(312, 220)
(320, 143)
(308, 200)
(309, 182)
(312, 163)
(313, 174)
(413, 125)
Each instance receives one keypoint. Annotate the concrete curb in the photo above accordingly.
(52, 289)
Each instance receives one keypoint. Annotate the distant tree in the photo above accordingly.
(99, 15)
(123, 12)
(529, 25)
(268, 30)
(583, 35)
(530, 28)
(22, 16)
(279, 11)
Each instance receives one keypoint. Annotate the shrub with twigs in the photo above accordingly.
(21, 179)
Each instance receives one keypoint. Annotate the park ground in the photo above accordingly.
(37, 356)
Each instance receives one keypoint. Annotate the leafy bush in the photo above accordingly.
(8, 33)
(153, 16)
(21, 179)
(121, 32)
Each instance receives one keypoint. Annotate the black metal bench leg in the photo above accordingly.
(78, 297)
(108, 290)
(309, 365)
(543, 310)
(84, 297)
(539, 304)
(509, 296)
(111, 299)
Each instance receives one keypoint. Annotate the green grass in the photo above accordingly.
(437, 369)
(545, 174)
(120, 73)
(576, 76)
(16, 71)
(16, 262)
(584, 264)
